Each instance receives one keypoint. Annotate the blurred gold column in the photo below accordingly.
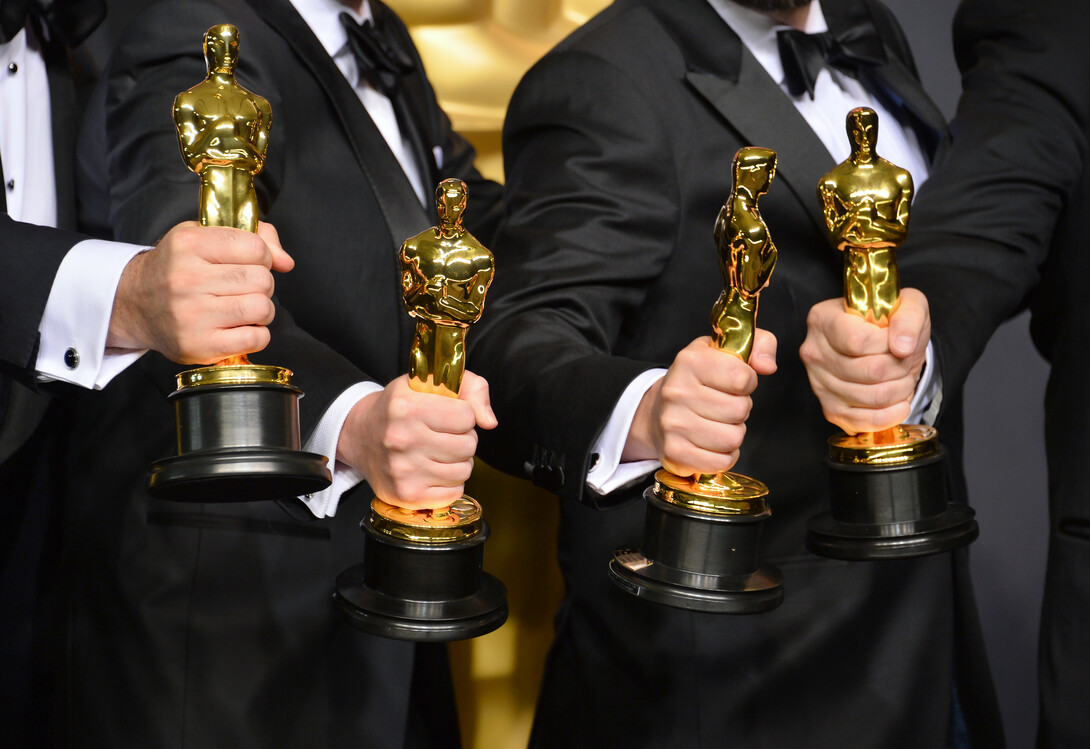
(495, 42)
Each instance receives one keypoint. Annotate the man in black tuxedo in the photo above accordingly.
(214, 625)
(1000, 226)
(74, 311)
(618, 149)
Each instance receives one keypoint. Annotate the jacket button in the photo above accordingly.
(71, 358)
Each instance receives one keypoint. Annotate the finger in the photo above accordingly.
(697, 461)
(846, 332)
(910, 325)
(230, 279)
(763, 357)
(219, 344)
(241, 309)
(706, 436)
(282, 262)
(727, 373)
(474, 391)
(857, 420)
(712, 406)
(878, 396)
(442, 414)
(221, 244)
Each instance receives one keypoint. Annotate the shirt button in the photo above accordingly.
(71, 358)
(12, 68)
(11, 184)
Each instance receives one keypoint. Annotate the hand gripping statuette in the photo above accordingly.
(237, 422)
(702, 533)
(889, 495)
(422, 578)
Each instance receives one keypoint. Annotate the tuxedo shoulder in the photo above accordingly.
(623, 31)
(178, 19)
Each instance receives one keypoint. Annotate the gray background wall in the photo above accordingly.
(1005, 458)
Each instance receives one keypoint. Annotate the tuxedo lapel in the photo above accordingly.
(724, 73)
(396, 198)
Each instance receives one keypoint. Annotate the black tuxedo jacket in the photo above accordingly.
(205, 626)
(1001, 225)
(30, 256)
(618, 148)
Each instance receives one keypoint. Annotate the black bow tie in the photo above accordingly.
(69, 22)
(804, 55)
(379, 54)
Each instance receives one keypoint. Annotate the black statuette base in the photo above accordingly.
(890, 512)
(698, 561)
(238, 475)
(420, 592)
(238, 443)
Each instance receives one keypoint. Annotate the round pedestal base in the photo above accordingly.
(697, 559)
(421, 590)
(421, 621)
(238, 475)
(951, 529)
(761, 590)
(894, 511)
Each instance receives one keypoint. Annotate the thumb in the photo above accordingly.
(763, 356)
(474, 391)
(282, 262)
(910, 324)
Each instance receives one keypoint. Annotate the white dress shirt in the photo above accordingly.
(323, 17)
(76, 319)
(835, 95)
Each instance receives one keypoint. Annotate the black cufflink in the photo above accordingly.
(71, 358)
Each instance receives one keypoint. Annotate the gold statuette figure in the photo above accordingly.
(866, 202)
(445, 275)
(422, 576)
(223, 131)
(701, 539)
(237, 422)
(747, 257)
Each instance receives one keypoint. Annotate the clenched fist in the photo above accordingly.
(200, 295)
(416, 449)
(864, 375)
(693, 420)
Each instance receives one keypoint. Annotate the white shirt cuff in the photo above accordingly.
(323, 440)
(928, 397)
(609, 473)
(77, 314)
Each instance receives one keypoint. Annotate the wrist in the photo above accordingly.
(125, 330)
(639, 444)
(350, 448)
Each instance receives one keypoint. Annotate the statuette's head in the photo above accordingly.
(754, 169)
(450, 201)
(862, 126)
(221, 48)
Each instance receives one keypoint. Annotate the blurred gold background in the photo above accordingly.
(494, 43)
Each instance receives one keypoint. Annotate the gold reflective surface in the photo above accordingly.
(719, 494)
(234, 374)
(445, 275)
(899, 444)
(747, 257)
(866, 202)
(223, 131)
(459, 522)
(746, 253)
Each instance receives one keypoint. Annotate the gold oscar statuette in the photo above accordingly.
(702, 533)
(889, 496)
(238, 423)
(431, 555)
